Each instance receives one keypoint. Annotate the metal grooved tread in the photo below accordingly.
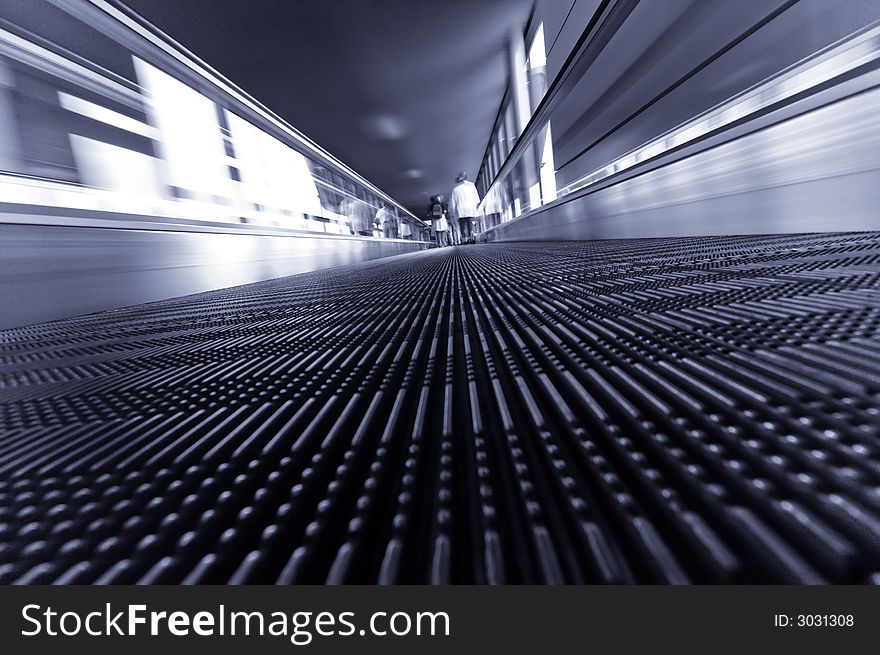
(667, 410)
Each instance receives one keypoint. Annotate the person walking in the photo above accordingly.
(359, 214)
(463, 203)
(387, 220)
(437, 212)
(405, 230)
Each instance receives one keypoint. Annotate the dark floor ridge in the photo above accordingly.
(665, 410)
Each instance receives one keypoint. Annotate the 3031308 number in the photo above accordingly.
(813, 620)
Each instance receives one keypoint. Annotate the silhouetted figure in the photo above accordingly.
(437, 213)
(359, 214)
(405, 230)
(463, 206)
(387, 219)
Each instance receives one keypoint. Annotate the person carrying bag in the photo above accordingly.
(437, 212)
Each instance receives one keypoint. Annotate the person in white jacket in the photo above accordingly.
(463, 203)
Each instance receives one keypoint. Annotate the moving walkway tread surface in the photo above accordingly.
(665, 410)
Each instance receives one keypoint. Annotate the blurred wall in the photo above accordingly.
(807, 164)
(50, 272)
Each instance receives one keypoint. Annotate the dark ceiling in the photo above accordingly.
(404, 91)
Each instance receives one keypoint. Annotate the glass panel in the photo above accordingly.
(537, 69)
(548, 169)
(122, 132)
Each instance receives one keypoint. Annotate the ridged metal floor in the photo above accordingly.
(675, 410)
